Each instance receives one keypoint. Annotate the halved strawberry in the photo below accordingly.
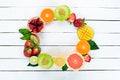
(29, 44)
(36, 51)
(72, 17)
(27, 52)
(87, 58)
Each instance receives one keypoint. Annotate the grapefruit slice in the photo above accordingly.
(59, 61)
(47, 15)
(75, 61)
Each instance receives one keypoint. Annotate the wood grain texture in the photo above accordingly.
(98, 26)
(60, 38)
(88, 13)
(105, 52)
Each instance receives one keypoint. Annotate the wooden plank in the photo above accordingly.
(105, 52)
(95, 64)
(94, 13)
(83, 3)
(98, 26)
(59, 39)
(86, 75)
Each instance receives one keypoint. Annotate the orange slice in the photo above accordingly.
(75, 61)
(59, 61)
(47, 15)
(83, 47)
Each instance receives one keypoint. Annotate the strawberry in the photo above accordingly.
(36, 51)
(79, 22)
(29, 44)
(87, 58)
(27, 52)
(71, 18)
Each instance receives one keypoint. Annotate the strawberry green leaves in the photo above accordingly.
(93, 45)
(26, 34)
(64, 68)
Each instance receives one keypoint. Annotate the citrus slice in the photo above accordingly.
(75, 61)
(33, 60)
(59, 61)
(83, 47)
(47, 15)
(45, 61)
(62, 12)
(85, 32)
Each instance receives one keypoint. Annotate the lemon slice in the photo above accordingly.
(59, 61)
(85, 33)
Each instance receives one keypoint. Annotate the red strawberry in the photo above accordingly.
(78, 22)
(72, 17)
(35, 25)
(29, 44)
(87, 58)
(27, 52)
(36, 51)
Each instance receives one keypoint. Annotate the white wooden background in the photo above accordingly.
(59, 38)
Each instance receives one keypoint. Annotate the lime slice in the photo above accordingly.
(33, 60)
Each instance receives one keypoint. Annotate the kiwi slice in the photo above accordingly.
(35, 39)
(62, 12)
(45, 61)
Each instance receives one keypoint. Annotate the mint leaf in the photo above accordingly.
(64, 68)
(26, 34)
(93, 45)
(32, 65)
(26, 37)
(24, 31)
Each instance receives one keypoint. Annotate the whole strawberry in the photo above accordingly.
(29, 43)
(36, 51)
(27, 52)
(79, 22)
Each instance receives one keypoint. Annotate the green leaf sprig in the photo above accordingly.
(26, 34)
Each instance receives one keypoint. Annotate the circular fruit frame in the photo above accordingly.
(75, 60)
